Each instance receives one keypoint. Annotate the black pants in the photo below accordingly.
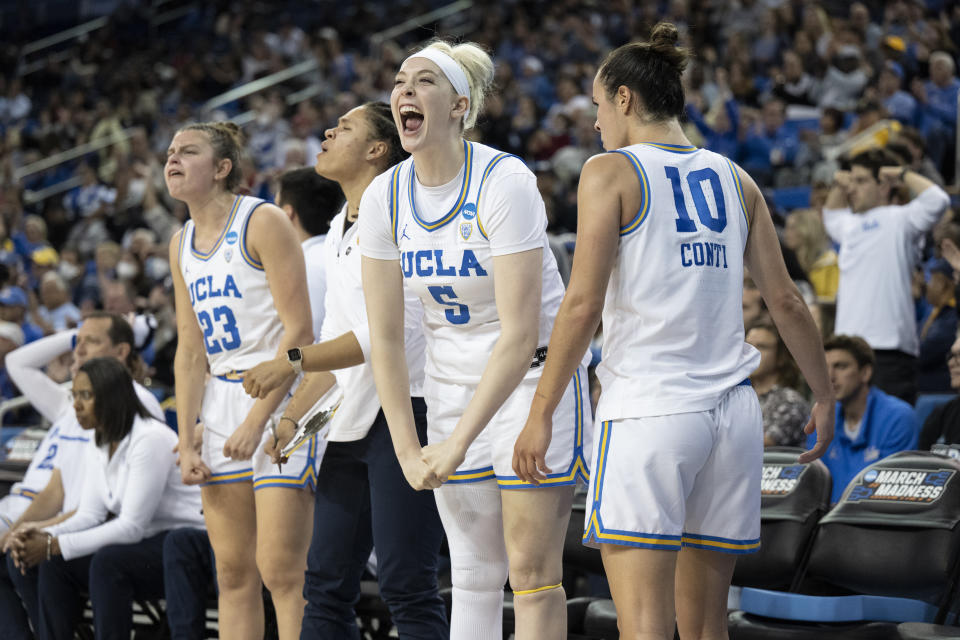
(189, 571)
(54, 591)
(13, 617)
(896, 374)
(362, 501)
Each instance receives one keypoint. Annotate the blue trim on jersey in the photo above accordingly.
(256, 264)
(743, 202)
(461, 199)
(486, 172)
(395, 202)
(745, 383)
(578, 464)
(244, 475)
(223, 233)
(74, 438)
(672, 148)
(644, 209)
(471, 475)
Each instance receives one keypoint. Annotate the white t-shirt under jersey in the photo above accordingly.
(878, 251)
(314, 258)
(446, 238)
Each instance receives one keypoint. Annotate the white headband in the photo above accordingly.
(451, 69)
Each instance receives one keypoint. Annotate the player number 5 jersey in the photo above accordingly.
(446, 252)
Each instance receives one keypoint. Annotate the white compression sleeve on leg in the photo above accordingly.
(473, 523)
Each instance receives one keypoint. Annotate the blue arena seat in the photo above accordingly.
(790, 198)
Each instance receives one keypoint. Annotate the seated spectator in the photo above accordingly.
(877, 254)
(898, 103)
(870, 425)
(770, 145)
(13, 308)
(943, 423)
(794, 85)
(720, 126)
(785, 411)
(113, 545)
(805, 234)
(918, 159)
(937, 331)
(57, 311)
(938, 104)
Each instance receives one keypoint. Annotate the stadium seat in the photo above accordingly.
(790, 198)
(795, 496)
(887, 551)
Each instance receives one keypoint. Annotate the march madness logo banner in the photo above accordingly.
(916, 486)
(780, 480)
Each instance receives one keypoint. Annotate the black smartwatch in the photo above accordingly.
(295, 358)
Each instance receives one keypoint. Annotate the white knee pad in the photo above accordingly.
(473, 523)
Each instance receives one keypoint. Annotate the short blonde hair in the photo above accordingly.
(477, 66)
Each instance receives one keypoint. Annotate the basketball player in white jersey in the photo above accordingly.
(664, 233)
(463, 226)
(241, 297)
(360, 485)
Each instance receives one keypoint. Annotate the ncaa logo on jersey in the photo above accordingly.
(232, 237)
(469, 211)
(466, 228)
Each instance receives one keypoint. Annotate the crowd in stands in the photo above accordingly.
(790, 89)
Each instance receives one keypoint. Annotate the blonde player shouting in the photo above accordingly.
(241, 297)
(665, 230)
(362, 499)
(463, 226)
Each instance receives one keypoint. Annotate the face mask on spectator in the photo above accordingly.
(68, 270)
(156, 268)
(126, 270)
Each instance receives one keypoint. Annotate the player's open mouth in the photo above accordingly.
(410, 118)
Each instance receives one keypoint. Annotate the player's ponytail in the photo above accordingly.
(651, 71)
